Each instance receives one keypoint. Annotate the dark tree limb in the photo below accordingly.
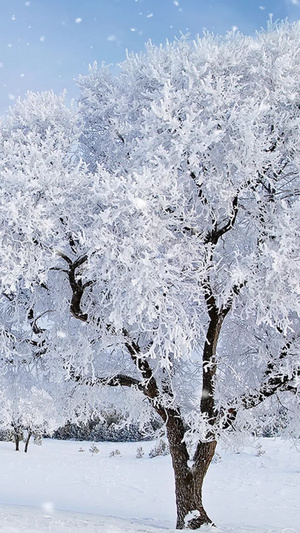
(272, 383)
(148, 385)
(114, 381)
(70, 238)
(216, 318)
(216, 233)
(37, 330)
(76, 285)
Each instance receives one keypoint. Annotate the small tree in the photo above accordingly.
(26, 410)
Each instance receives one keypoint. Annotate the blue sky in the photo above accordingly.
(46, 44)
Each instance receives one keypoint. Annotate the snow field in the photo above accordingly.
(59, 489)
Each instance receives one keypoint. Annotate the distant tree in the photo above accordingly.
(26, 408)
(37, 141)
(170, 254)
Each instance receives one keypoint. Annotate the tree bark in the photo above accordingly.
(17, 442)
(202, 459)
(188, 480)
(18, 439)
(27, 442)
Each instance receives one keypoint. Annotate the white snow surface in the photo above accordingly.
(59, 489)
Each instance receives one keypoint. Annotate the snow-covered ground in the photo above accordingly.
(57, 488)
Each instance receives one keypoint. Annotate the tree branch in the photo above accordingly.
(115, 381)
(150, 386)
(209, 362)
(33, 321)
(272, 383)
(214, 235)
(76, 285)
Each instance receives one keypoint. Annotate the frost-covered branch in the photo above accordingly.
(119, 380)
(216, 233)
(274, 380)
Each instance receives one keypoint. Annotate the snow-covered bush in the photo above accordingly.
(93, 449)
(140, 452)
(115, 453)
(161, 448)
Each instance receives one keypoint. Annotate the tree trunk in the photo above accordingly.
(17, 442)
(188, 480)
(202, 459)
(27, 442)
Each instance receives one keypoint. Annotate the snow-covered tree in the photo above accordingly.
(169, 257)
(197, 247)
(38, 162)
(27, 411)
(47, 203)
